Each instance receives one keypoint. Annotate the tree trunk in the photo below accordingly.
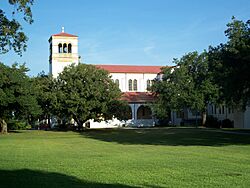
(204, 118)
(79, 123)
(49, 122)
(3, 126)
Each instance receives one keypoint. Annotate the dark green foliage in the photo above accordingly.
(187, 85)
(227, 123)
(11, 35)
(212, 122)
(45, 90)
(84, 92)
(191, 122)
(18, 125)
(17, 94)
(230, 63)
(119, 109)
(163, 123)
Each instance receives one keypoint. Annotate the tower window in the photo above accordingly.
(60, 48)
(65, 48)
(69, 48)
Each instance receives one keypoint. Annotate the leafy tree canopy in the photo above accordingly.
(45, 90)
(17, 98)
(11, 34)
(230, 63)
(85, 92)
(187, 85)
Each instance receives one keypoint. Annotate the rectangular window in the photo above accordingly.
(130, 85)
(148, 84)
(135, 85)
(117, 82)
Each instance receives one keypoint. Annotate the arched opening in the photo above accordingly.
(144, 112)
(130, 85)
(127, 113)
(117, 82)
(60, 48)
(69, 48)
(65, 48)
(135, 85)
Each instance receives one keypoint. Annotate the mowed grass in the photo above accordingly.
(170, 157)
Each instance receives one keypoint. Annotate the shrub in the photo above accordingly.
(227, 123)
(163, 123)
(17, 125)
(43, 126)
(212, 122)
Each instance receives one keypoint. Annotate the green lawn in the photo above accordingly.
(174, 157)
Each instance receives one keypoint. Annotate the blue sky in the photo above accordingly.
(133, 32)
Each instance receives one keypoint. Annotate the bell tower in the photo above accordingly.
(63, 51)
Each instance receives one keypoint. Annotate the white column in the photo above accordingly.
(134, 108)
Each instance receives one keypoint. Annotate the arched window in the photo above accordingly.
(148, 84)
(130, 85)
(135, 85)
(69, 48)
(117, 82)
(60, 48)
(64, 48)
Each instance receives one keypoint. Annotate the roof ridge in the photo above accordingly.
(64, 34)
(131, 68)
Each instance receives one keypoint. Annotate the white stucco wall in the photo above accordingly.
(57, 67)
(247, 118)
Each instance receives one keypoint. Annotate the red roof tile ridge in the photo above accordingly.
(131, 68)
(64, 34)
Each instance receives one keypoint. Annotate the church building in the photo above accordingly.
(134, 82)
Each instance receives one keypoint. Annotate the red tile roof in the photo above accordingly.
(141, 97)
(130, 68)
(64, 35)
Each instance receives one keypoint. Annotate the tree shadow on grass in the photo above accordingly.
(37, 179)
(169, 137)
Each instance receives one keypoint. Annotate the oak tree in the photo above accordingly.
(11, 31)
(85, 92)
